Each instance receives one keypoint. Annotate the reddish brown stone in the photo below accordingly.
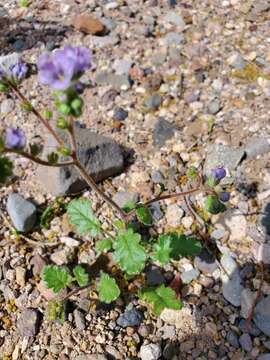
(88, 24)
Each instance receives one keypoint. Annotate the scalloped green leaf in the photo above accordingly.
(160, 298)
(144, 215)
(162, 250)
(183, 245)
(108, 289)
(56, 278)
(81, 276)
(104, 245)
(82, 218)
(129, 254)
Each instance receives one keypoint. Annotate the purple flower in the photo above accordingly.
(15, 138)
(1, 73)
(62, 68)
(218, 173)
(18, 71)
(224, 196)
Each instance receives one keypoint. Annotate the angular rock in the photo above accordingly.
(120, 114)
(150, 352)
(122, 198)
(163, 131)
(104, 41)
(257, 146)
(7, 105)
(122, 66)
(232, 338)
(29, 322)
(173, 18)
(156, 211)
(231, 283)
(189, 275)
(153, 102)
(246, 342)
(247, 300)
(262, 315)
(23, 213)
(173, 38)
(115, 80)
(101, 156)
(262, 253)
(38, 263)
(236, 61)
(154, 276)
(214, 107)
(131, 317)
(222, 155)
(246, 328)
(88, 24)
(174, 215)
(205, 262)
(79, 319)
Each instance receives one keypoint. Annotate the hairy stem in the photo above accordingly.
(92, 184)
(45, 122)
(36, 159)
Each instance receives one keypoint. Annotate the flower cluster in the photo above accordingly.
(12, 68)
(62, 68)
(15, 138)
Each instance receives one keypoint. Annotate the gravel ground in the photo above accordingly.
(176, 84)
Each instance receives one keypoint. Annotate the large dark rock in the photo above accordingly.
(101, 156)
(162, 132)
(29, 322)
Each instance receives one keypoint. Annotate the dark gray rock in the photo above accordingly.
(257, 146)
(162, 132)
(169, 351)
(246, 342)
(101, 156)
(29, 322)
(18, 45)
(153, 102)
(232, 338)
(231, 282)
(120, 114)
(156, 211)
(131, 317)
(154, 276)
(262, 315)
(205, 262)
(245, 328)
(23, 213)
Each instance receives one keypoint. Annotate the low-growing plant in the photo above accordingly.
(131, 253)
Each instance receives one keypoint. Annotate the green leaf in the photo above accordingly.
(5, 169)
(131, 204)
(56, 278)
(192, 172)
(103, 245)
(53, 158)
(56, 311)
(108, 289)
(162, 250)
(2, 144)
(46, 217)
(144, 215)
(81, 275)
(81, 216)
(184, 246)
(213, 205)
(129, 254)
(161, 298)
